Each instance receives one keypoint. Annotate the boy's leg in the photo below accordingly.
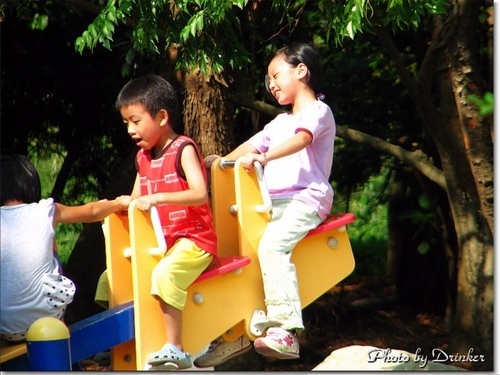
(180, 267)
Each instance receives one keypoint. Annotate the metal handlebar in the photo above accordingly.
(226, 164)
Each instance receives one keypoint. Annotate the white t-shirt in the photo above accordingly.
(303, 176)
(30, 281)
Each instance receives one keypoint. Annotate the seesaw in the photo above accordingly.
(227, 299)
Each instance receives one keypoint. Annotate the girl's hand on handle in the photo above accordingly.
(248, 160)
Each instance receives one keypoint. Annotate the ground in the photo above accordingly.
(357, 312)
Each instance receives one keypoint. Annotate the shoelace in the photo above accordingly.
(213, 345)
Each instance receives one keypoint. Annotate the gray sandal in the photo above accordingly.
(170, 357)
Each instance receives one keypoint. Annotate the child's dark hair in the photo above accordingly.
(152, 91)
(19, 180)
(301, 53)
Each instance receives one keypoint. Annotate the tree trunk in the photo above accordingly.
(470, 188)
(465, 152)
(208, 113)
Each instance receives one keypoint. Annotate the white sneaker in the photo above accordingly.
(278, 343)
(220, 350)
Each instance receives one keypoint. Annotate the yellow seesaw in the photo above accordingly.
(228, 298)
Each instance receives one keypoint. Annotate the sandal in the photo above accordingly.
(170, 357)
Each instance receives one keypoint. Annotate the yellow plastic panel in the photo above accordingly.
(223, 197)
(221, 308)
(223, 305)
(251, 225)
(148, 319)
(119, 269)
(319, 267)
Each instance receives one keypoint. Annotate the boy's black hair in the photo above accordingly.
(297, 53)
(19, 180)
(152, 91)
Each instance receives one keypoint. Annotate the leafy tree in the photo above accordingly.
(435, 68)
(460, 133)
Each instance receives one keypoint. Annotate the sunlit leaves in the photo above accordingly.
(347, 18)
(39, 22)
(101, 30)
(486, 104)
(200, 29)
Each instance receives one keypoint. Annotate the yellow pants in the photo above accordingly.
(179, 268)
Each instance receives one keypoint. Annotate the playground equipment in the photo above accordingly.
(227, 299)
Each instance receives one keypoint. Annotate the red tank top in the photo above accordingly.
(165, 175)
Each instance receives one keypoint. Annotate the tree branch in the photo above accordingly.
(415, 159)
(442, 33)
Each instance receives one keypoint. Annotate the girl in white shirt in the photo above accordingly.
(32, 285)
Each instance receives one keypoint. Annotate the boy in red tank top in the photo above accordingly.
(171, 176)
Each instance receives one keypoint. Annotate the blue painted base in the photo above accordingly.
(87, 338)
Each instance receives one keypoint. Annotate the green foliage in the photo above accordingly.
(215, 35)
(102, 29)
(34, 13)
(486, 104)
(48, 158)
(204, 30)
(39, 22)
(368, 233)
(348, 18)
(209, 34)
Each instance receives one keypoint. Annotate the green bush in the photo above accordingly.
(368, 233)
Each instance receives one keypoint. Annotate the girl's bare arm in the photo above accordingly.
(90, 212)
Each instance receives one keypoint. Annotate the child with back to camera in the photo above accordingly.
(31, 270)
(171, 176)
(296, 149)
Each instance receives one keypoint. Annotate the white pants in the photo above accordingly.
(290, 221)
